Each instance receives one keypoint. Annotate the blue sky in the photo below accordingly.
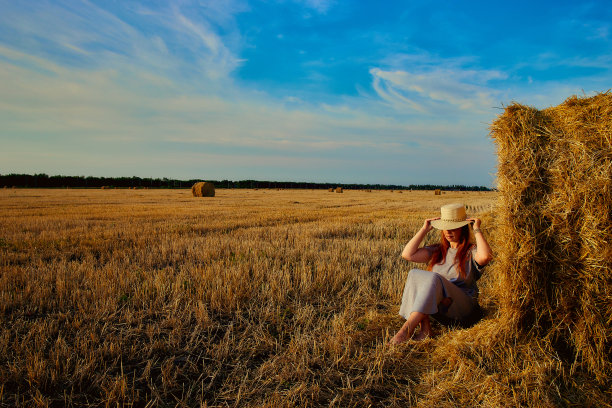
(395, 92)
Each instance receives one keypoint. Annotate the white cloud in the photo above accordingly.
(216, 60)
(437, 89)
(321, 6)
(91, 37)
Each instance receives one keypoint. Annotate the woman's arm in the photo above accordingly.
(411, 251)
(483, 254)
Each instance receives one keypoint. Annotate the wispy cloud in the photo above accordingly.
(82, 34)
(103, 105)
(321, 6)
(428, 89)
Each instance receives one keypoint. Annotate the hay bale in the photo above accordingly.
(331, 190)
(550, 340)
(104, 188)
(555, 182)
(437, 192)
(203, 189)
(339, 190)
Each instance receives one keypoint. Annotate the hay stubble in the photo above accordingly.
(258, 298)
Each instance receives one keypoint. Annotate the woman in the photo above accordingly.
(448, 286)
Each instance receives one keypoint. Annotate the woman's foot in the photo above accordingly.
(400, 337)
(407, 329)
(445, 304)
(421, 335)
(425, 331)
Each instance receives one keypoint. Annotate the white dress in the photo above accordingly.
(424, 290)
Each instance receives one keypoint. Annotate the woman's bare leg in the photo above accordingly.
(407, 329)
(425, 329)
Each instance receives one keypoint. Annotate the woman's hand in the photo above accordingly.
(483, 253)
(476, 222)
(411, 251)
(427, 224)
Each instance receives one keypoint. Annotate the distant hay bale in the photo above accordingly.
(104, 187)
(437, 192)
(203, 189)
(331, 190)
(339, 190)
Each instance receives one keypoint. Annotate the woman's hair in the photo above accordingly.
(439, 255)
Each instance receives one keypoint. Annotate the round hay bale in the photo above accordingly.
(339, 190)
(437, 192)
(331, 190)
(203, 189)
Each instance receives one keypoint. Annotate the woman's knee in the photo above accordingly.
(423, 275)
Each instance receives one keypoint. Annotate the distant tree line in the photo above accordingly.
(45, 181)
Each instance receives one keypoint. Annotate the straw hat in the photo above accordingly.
(451, 216)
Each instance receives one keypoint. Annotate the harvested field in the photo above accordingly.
(252, 298)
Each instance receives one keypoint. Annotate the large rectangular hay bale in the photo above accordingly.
(555, 222)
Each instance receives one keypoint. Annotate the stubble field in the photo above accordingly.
(251, 298)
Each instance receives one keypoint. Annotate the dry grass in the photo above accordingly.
(254, 298)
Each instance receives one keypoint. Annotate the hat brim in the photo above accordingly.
(448, 225)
